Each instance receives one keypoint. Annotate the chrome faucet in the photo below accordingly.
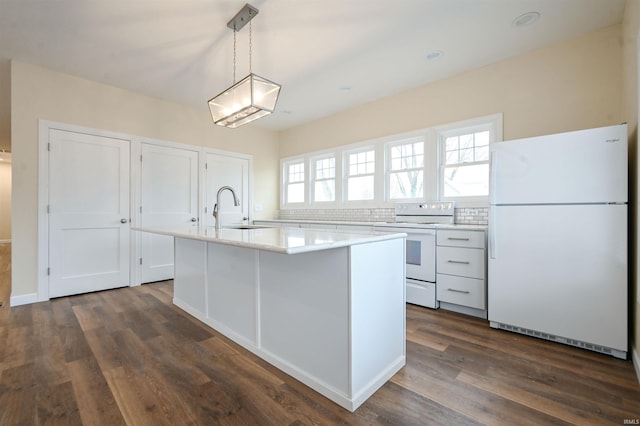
(236, 202)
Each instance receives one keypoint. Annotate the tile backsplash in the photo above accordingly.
(463, 216)
(347, 215)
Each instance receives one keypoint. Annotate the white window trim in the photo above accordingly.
(432, 189)
(493, 123)
(284, 181)
(312, 179)
(377, 190)
(387, 167)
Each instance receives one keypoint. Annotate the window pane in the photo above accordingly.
(464, 181)
(452, 157)
(451, 143)
(360, 188)
(482, 153)
(482, 138)
(466, 141)
(295, 193)
(361, 163)
(466, 156)
(406, 184)
(407, 156)
(325, 168)
(325, 190)
(296, 172)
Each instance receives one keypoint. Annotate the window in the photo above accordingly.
(464, 158)
(449, 163)
(294, 182)
(405, 170)
(324, 178)
(465, 164)
(360, 174)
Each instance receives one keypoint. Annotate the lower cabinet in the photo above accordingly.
(461, 266)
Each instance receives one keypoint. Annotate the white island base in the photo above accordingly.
(334, 318)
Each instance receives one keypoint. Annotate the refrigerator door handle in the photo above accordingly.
(493, 172)
(492, 232)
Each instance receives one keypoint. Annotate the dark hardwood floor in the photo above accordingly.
(128, 356)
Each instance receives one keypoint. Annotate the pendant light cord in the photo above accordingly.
(250, 46)
(234, 54)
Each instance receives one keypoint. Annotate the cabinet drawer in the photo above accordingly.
(453, 238)
(466, 262)
(461, 291)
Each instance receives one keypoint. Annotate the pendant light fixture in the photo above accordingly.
(250, 98)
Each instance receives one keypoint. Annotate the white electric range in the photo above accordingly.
(418, 221)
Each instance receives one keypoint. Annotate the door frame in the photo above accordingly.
(44, 127)
(203, 209)
(136, 190)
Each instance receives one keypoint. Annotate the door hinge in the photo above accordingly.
(206, 166)
(140, 209)
(141, 158)
(48, 271)
(49, 146)
(48, 208)
(141, 261)
(205, 210)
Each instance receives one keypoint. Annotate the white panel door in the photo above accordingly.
(88, 213)
(169, 198)
(225, 170)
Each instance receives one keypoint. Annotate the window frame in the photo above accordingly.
(388, 146)
(313, 159)
(345, 174)
(285, 181)
(491, 123)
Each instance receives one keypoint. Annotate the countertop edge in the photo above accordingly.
(363, 238)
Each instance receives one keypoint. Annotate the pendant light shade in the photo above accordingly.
(250, 98)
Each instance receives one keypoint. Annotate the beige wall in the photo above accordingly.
(631, 33)
(568, 86)
(588, 81)
(5, 200)
(37, 93)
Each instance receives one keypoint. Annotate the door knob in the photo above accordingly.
(193, 219)
(123, 221)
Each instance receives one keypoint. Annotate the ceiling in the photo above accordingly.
(329, 55)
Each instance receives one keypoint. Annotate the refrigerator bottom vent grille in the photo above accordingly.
(572, 342)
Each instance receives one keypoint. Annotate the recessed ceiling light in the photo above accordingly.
(526, 19)
(434, 55)
(345, 89)
(285, 112)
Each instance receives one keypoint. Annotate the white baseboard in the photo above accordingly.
(24, 299)
(635, 357)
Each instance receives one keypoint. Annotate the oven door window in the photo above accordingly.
(414, 255)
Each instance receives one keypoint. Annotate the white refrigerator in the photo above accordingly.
(557, 265)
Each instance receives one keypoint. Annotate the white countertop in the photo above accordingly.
(281, 240)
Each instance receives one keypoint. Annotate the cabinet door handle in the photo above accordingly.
(457, 239)
(458, 261)
(458, 291)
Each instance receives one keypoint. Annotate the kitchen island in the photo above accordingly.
(327, 308)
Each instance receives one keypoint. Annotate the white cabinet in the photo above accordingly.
(461, 271)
